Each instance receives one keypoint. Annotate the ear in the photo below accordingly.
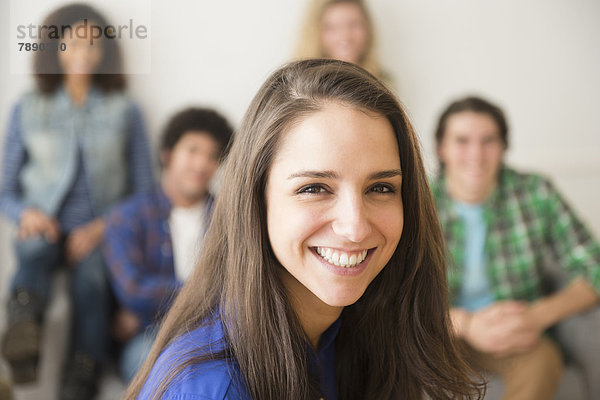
(165, 157)
(440, 152)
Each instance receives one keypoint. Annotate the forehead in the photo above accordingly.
(471, 123)
(79, 28)
(198, 138)
(339, 137)
(342, 10)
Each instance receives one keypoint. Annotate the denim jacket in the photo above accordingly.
(53, 130)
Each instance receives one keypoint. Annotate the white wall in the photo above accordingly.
(539, 59)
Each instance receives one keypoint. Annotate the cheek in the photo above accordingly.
(291, 227)
(178, 162)
(443, 152)
(494, 155)
(181, 164)
(212, 167)
(64, 57)
(277, 226)
(326, 41)
(395, 225)
(360, 37)
(292, 224)
(390, 223)
(499, 153)
(96, 55)
(450, 155)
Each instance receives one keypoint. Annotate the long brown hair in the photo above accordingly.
(394, 342)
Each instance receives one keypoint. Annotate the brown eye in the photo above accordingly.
(312, 189)
(382, 188)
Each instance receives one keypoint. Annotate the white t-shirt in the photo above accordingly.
(187, 225)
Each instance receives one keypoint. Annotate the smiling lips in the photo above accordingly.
(341, 258)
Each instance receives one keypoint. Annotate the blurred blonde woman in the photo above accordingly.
(342, 30)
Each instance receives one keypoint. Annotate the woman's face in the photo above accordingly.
(344, 32)
(80, 56)
(334, 205)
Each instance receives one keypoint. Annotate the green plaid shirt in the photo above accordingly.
(527, 222)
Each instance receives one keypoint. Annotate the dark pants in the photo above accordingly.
(37, 259)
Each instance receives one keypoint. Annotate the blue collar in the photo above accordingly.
(328, 337)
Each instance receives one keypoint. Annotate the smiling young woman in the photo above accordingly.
(322, 273)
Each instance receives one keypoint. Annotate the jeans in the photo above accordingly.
(135, 352)
(37, 259)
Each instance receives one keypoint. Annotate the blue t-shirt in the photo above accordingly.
(476, 290)
(222, 379)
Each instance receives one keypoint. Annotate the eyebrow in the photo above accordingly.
(390, 173)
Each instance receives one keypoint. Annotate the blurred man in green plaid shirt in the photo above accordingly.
(500, 227)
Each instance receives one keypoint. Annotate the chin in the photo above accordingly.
(195, 192)
(348, 58)
(333, 299)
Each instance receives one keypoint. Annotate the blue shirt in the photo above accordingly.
(222, 379)
(139, 253)
(476, 292)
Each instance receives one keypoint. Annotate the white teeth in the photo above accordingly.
(352, 260)
(341, 259)
(335, 259)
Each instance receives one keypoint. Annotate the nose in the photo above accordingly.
(351, 219)
(201, 161)
(475, 151)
